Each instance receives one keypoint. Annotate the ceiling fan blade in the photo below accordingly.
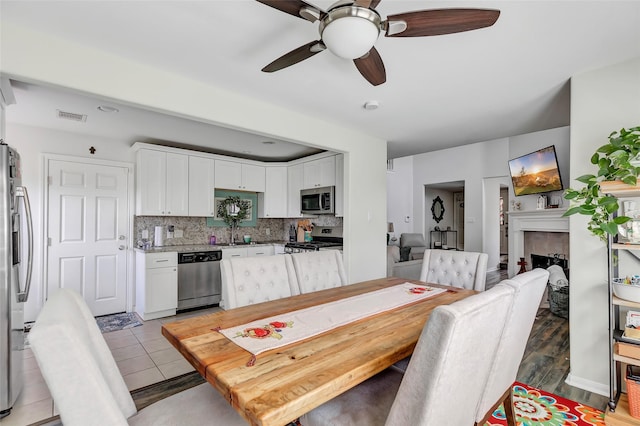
(440, 21)
(370, 4)
(371, 67)
(295, 56)
(362, 3)
(296, 8)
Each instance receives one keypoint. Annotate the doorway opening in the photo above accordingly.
(444, 230)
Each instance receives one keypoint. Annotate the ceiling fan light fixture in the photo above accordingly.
(350, 32)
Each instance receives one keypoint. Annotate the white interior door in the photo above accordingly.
(88, 232)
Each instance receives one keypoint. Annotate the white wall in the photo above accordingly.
(470, 164)
(602, 101)
(43, 58)
(483, 167)
(32, 143)
(400, 199)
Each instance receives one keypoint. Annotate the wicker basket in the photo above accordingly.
(633, 394)
(559, 300)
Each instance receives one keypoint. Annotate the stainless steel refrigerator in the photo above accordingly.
(16, 248)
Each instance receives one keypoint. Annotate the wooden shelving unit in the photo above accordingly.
(617, 400)
(621, 416)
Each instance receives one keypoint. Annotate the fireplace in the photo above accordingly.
(521, 222)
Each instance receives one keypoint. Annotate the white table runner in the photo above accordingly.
(281, 330)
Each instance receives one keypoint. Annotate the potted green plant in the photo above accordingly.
(233, 210)
(616, 161)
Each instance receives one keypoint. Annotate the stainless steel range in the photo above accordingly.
(322, 238)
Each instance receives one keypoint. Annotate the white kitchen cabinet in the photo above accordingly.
(339, 192)
(239, 176)
(156, 284)
(177, 185)
(272, 203)
(230, 253)
(247, 251)
(260, 251)
(319, 173)
(201, 186)
(162, 184)
(294, 185)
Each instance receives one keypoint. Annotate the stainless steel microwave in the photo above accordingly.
(317, 200)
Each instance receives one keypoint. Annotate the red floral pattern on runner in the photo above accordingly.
(419, 290)
(273, 329)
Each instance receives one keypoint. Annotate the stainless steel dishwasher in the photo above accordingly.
(199, 280)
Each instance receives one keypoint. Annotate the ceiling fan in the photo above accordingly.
(350, 28)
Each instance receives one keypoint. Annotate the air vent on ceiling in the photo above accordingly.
(72, 116)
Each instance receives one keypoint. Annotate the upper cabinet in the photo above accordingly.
(272, 203)
(294, 185)
(318, 173)
(239, 176)
(201, 186)
(162, 183)
(179, 182)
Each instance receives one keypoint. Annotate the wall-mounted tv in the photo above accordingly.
(536, 172)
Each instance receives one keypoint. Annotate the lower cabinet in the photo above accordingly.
(156, 284)
(260, 251)
(229, 253)
(251, 251)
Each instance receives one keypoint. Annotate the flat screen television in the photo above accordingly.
(536, 172)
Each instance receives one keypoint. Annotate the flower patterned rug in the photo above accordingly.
(117, 322)
(536, 407)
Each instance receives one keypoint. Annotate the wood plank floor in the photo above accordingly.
(546, 360)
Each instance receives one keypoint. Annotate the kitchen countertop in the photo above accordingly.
(205, 247)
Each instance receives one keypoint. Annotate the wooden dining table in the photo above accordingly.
(286, 382)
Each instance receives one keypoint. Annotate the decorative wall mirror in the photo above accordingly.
(437, 209)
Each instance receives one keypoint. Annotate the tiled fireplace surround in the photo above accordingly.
(543, 232)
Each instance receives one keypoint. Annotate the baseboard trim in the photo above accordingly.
(588, 385)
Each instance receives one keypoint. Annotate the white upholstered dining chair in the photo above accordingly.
(87, 386)
(319, 270)
(462, 269)
(528, 289)
(444, 379)
(250, 280)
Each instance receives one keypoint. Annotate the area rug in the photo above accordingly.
(115, 322)
(536, 407)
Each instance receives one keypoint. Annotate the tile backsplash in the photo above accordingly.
(196, 231)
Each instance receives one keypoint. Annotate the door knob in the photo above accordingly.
(120, 247)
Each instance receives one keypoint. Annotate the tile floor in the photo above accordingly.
(143, 355)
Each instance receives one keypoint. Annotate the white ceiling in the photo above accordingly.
(508, 79)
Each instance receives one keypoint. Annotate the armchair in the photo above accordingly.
(413, 243)
(395, 268)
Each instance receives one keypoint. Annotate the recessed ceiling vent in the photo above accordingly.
(72, 116)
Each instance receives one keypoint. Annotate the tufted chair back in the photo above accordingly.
(319, 270)
(85, 382)
(528, 289)
(250, 280)
(77, 364)
(455, 268)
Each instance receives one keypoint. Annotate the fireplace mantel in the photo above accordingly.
(548, 220)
